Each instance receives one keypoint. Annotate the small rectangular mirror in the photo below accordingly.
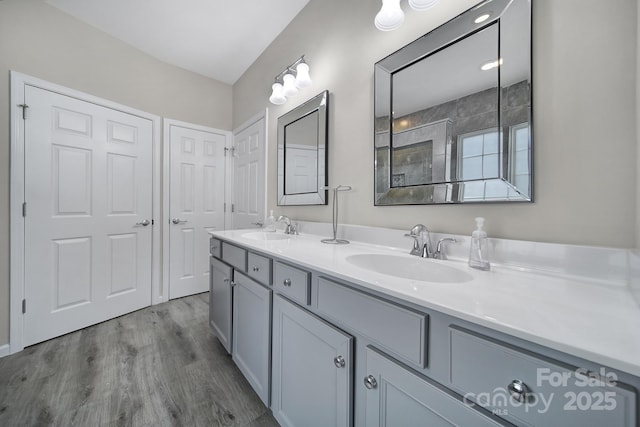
(302, 153)
(453, 111)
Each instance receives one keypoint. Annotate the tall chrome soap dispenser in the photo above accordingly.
(478, 251)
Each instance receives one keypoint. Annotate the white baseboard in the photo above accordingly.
(5, 350)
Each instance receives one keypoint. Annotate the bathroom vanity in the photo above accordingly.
(334, 336)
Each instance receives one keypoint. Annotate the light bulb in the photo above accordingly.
(302, 75)
(390, 16)
(289, 88)
(277, 97)
(421, 5)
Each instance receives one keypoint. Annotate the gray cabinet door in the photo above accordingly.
(252, 333)
(220, 301)
(312, 369)
(397, 397)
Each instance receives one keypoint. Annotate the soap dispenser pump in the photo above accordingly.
(271, 222)
(478, 251)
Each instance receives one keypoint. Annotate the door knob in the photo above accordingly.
(339, 361)
(144, 223)
(178, 221)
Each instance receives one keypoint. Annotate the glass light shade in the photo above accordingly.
(422, 4)
(289, 88)
(390, 16)
(302, 75)
(277, 97)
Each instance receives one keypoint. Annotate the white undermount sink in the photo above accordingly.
(412, 268)
(265, 235)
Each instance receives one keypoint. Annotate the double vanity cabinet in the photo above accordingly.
(320, 350)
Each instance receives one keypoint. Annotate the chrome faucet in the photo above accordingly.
(290, 228)
(439, 254)
(421, 241)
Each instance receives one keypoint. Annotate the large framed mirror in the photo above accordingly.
(453, 111)
(302, 153)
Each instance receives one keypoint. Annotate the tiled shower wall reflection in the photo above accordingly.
(418, 159)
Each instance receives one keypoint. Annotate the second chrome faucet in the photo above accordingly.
(289, 227)
(422, 243)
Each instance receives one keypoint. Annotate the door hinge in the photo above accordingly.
(25, 111)
(24, 209)
(24, 306)
(224, 209)
(233, 208)
(153, 222)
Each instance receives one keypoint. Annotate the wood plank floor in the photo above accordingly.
(160, 366)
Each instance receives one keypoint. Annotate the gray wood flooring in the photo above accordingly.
(160, 366)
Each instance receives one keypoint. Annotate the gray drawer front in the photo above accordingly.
(259, 268)
(215, 247)
(482, 370)
(292, 282)
(398, 330)
(235, 256)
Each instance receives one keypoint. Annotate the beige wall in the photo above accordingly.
(38, 40)
(584, 118)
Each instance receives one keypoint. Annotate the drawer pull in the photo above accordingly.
(255, 268)
(519, 391)
(339, 361)
(226, 280)
(370, 382)
(287, 282)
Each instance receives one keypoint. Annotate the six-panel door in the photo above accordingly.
(88, 225)
(196, 205)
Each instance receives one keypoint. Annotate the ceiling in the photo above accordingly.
(216, 38)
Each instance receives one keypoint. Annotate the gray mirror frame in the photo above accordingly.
(319, 103)
(438, 39)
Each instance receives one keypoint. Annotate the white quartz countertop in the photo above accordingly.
(595, 321)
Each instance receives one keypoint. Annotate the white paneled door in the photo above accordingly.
(88, 224)
(196, 204)
(249, 175)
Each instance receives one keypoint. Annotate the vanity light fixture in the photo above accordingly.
(289, 88)
(421, 5)
(277, 97)
(294, 77)
(391, 16)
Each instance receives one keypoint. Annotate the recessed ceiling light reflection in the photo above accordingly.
(480, 19)
(491, 65)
